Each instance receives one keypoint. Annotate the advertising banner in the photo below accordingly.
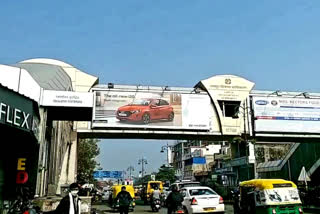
(107, 174)
(151, 110)
(67, 98)
(281, 114)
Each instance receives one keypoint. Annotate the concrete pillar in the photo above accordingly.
(68, 172)
(42, 163)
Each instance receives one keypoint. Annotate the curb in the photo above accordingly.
(311, 209)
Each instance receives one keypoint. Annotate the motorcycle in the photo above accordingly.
(178, 210)
(236, 202)
(156, 205)
(163, 200)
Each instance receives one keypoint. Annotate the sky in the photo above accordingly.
(275, 44)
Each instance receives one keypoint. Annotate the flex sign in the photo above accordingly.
(14, 116)
(15, 110)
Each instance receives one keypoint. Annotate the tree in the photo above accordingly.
(88, 150)
(166, 174)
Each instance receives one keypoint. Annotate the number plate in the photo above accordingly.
(209, 209)
(122, 114)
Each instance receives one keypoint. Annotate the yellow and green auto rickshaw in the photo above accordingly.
(115, 190)
(148, 189)
(269, 196)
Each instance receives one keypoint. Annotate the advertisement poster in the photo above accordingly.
(151, 110)
(276, 114)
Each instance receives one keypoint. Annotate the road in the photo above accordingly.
(145, 209)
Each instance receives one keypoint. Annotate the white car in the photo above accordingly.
(106, 194)
(201, 199)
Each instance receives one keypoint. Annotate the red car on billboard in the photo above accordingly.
(146, 110)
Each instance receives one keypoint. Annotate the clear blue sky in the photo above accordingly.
(275, 44)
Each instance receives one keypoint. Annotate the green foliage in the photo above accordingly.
(88, 150)
(145, 179)
(166, 174)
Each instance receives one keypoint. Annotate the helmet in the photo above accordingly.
(175, 188)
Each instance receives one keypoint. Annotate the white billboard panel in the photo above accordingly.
(67, 99)
(151, 110)
(281, 114)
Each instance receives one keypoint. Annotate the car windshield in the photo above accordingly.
(194, 192)
(141, 102)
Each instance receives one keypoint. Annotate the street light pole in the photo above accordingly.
(245, 108)
(142, 161)
(167, 147)
(130, 169)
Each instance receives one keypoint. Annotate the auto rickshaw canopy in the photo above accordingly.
(117, 188)
(267, 183)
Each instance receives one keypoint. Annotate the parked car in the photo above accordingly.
(202, 199)
(146, 110)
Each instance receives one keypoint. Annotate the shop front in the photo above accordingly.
(19, 119)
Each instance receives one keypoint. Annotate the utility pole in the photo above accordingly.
(246, 111)
(130, 169)
(142, 161)
(168, 148)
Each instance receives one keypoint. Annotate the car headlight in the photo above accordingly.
(135, 111)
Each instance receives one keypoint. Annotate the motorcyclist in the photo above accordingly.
(174, 200)
(236, 203)
(156, 195)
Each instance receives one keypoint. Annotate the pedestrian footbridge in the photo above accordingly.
(219, 108)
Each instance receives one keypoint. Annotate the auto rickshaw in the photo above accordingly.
(148, 188)
(269, 196)
(115, 190)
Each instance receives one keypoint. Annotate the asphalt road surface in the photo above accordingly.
(142, 209)
(145, 209)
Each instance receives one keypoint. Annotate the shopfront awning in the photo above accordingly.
(18, 112)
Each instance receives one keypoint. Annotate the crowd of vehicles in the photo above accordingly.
(257, 196)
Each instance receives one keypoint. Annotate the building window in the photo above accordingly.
(229, 108)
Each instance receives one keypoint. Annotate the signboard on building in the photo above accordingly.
(67, 99)
(283, 114)
(141, 109)
(107, 174)
(18, 111)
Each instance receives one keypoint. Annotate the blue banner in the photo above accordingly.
(107, 174)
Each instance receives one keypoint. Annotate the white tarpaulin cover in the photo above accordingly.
(276, 196)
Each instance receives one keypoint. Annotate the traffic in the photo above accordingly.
(260, 196)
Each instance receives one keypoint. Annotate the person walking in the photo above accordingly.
(124, 199)
(71, 203)
(174, 200)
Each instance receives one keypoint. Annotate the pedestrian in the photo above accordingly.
(174, 200)
(71, 203)
(124, 199)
